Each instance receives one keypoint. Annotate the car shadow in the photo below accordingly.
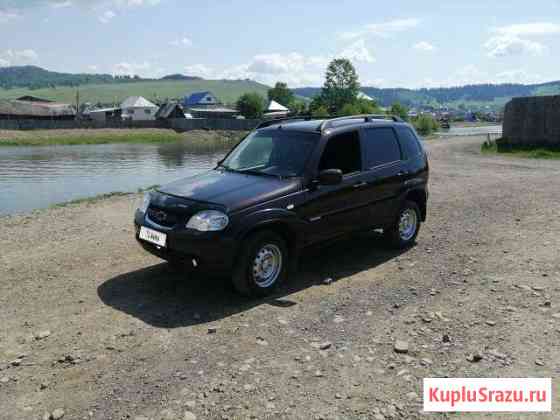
(163, 298)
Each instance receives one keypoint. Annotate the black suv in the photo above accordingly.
(289, 184)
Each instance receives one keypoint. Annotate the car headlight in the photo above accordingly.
(208, 221)
(143, 207)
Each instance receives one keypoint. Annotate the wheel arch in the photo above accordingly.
(420, 197)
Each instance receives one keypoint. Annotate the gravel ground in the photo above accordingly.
(93, 327)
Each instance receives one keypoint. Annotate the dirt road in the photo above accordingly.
(92, 325)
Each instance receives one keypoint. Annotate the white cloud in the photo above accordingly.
(529, 29)
(200, 70)
(424, 46)
(384, 29)
(93, 68)
(60, 4)
(514, 39)
(107, 16)
(293, 68)
(182, 42)
(358, 52)
(505, 45)
(131, 69)
(18, 57)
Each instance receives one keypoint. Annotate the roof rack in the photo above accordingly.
(274, 121)
(365, 117)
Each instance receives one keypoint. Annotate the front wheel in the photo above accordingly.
(402, 234)
(262, 264)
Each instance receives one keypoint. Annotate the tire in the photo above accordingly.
(404, 236)
(262, 264)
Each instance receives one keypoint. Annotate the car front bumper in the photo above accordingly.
(209, 251)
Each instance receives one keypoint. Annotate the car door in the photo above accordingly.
(384, 173)
(337, 209)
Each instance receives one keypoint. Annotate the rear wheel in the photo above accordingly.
(262, 264)
(402, 234)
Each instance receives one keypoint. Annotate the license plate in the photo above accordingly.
(153, 236)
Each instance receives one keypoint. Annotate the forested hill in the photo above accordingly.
(470, 94)
(33, 77)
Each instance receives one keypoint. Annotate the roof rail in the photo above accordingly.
(365, 117)
(268, 123)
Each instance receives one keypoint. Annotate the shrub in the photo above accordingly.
(320, 112)
(426, 125)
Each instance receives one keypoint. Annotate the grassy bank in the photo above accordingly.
(202, 139)
(523, 152)
(101, 197)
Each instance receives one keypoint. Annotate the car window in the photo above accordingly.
(273, 152)
(410, 145)
(253, 154)
(342, 152)
(381, 146)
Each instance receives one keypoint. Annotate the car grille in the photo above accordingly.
(162, 217)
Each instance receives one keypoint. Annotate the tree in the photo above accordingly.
(251, 105)
(399, 110)
(281, 94)
(341, 85)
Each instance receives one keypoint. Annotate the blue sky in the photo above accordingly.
(397, 44)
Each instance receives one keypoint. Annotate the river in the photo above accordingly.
(38, 177)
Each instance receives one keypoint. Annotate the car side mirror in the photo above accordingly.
(330, 177)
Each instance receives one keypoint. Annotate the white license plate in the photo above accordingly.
(153, 236)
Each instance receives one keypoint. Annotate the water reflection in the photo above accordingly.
(37, 177)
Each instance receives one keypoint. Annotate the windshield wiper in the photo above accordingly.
(256, 172)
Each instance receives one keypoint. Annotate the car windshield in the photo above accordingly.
(280, 153)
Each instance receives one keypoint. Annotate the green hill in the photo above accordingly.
(228, 91)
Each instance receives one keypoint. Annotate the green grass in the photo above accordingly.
(198, 140)
(74, 137)
(522, 152)
(228, 91)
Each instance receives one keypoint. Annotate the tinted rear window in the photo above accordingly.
(381, 146)
(410, 145)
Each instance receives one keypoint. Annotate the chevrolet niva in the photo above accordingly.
(290, 184)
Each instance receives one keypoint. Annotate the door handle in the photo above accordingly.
(360, 184)
(402, 173)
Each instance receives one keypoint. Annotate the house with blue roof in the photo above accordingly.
(200, 100)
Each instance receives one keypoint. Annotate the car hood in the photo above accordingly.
(232, 190)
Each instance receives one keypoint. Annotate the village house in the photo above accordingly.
(171, 110)
(362, 95)
(104, 114)
(200, 100)
(19, 109)
(137, 108)
(219, 112)
(276, 110)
